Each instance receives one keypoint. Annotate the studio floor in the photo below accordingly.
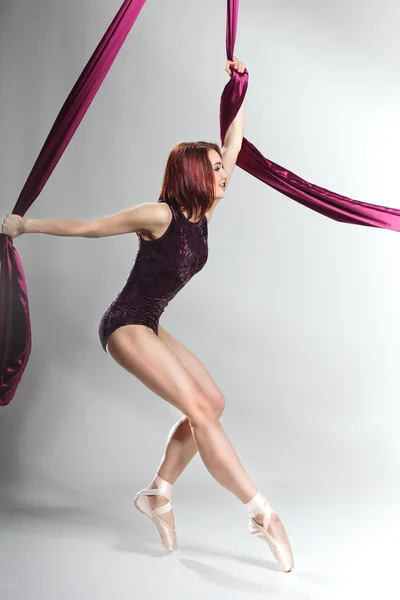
(71, 552)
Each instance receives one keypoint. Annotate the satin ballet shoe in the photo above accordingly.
(281, 551)
(141, 502)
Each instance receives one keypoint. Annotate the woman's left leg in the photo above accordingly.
(180, 445)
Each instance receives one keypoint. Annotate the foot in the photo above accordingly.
(156, 501)
(275, 527)
(275, 536)
(160, 512)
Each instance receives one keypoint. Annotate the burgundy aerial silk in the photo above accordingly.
(15, 329)
(251, 160)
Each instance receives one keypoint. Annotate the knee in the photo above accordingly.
(218, 404)
(206, 409)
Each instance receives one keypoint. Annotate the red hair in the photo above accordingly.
(189, 178)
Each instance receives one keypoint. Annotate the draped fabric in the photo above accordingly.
(15, 329)
(321, 200)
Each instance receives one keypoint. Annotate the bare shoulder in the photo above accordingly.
(161, 213)
(159, 217)
(154, 214)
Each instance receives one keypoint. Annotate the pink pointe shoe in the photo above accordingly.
(281, 550)
(167, 533)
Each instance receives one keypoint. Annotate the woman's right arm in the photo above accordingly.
(146, 217)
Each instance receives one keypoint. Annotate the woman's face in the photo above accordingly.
(220, 176)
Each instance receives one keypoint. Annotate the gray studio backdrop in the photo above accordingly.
(295, 315)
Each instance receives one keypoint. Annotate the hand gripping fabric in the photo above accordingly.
(15, 329)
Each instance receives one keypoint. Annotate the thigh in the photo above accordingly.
(194, 366)
(139, 351)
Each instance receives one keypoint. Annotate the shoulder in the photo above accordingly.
(162, 212)
(154, 213)
(156, 218)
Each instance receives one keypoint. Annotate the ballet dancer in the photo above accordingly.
(172, 236)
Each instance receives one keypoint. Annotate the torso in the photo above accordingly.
(164, 264)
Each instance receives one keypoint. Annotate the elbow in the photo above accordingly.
(89, 229)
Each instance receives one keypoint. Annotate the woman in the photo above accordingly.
(172, 235)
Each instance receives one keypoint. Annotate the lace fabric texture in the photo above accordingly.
(162, 267)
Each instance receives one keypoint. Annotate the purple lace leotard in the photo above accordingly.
(162, 267)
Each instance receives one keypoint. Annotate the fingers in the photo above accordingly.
(236, 64)
(227, 69)
(5, 226)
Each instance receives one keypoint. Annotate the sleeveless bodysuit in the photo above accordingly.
(162, 267)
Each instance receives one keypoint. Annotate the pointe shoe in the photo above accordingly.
(281, 551)
(167, 533)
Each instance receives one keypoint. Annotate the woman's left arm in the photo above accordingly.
(234, 135)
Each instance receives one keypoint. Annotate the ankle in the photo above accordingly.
(167, 478)
(257, 506)
(163, 485)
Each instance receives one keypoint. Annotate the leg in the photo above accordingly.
(181, 447)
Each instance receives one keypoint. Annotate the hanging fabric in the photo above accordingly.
(15, 329)
(321, 200)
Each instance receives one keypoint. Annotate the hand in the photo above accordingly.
(236, 64)
(13, 225)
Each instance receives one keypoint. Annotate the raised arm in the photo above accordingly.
(234, 136)
(146, 217)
